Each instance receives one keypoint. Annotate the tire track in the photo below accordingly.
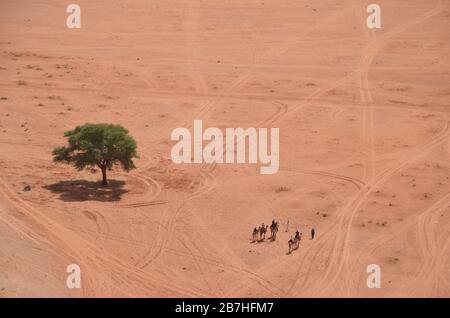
(396, 231)
(356, 182)
(165, 229)
(341, 247)
(81, 249)
(358, 201)
(329, 234)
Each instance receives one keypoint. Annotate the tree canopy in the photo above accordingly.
(98, 146)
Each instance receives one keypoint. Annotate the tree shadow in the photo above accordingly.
(83, 190)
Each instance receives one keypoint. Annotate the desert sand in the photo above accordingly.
(364, 148)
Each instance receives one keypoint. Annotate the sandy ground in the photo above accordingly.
(364, 138)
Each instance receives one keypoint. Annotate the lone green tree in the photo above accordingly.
(98, 146)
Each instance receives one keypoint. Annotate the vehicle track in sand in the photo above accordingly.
(153, 191)
(208, 184)
(368, 110)
(305, 102)
(430, 253)
(429, 241)
(232, 258)
(40, 235)
(199, 257)
(333, 235)
(340, 251)
(355, 181)
(241, 80)
(191, 22)
(188, 243)
(345, 219)
(87, 254)
(165, 233)
(165, 229)
(152, 197)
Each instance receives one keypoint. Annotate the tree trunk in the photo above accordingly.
(104, 181)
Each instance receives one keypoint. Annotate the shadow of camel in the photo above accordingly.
(83, 190)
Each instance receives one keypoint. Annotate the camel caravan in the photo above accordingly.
(259, 235)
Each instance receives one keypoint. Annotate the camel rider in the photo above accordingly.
(297, 235)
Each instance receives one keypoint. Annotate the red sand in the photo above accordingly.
(364, 138)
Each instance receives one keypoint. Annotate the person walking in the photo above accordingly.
(313, 233)
(297, 235)
(286, 226)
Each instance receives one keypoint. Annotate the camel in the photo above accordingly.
(293, 244)
(255, 234)
(273, 231)
(262, 232)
